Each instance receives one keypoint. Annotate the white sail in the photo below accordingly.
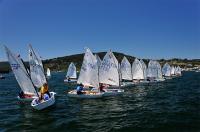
(48, 72)
(172, 70)
(98, 60)
(152, 69)
(89, 70)
(166, 70)
(20, 73)
(177, 70)
(144, 69)
(125, 69)
(108, 72)
(36, 69)
(137, 70)
(71, 72)
(159, 70)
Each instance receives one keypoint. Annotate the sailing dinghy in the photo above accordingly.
(48, 73)
(166, 71)
(172, 71)
(109, 75)
(144, 67)
(159, 77)
(125, 71)
(38, 78)
(137, 71)
(22, 76)
(154, 73)
(88, 77)
(71, 76)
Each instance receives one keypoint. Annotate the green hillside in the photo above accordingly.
(61, 63)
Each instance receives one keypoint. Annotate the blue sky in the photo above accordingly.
(142, 28)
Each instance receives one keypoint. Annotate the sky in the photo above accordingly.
(153, 29)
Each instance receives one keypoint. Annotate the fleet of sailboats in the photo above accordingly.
(98, 77)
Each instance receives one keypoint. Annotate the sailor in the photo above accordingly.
(44, 90)
(101, 87)
(21, 94)
(46, 97)
(79, 89)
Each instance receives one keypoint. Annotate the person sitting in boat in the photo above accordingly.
(44, 90)
(46, 97)
(68, 79)
(21, 94)
(79, 89)
(101, 87)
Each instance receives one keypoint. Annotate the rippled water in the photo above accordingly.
(173, 105)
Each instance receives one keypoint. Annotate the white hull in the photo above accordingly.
(160, 80)
(89, 95)
(71, 81)
(44, 104)
(112, 92)
(126, 84)
(143, 82)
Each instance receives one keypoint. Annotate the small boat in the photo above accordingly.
(166, 70)
(38, 78)
(154, 73)
(178, 71)
(2, 77)
(40, 105)
(138, 71)
(172, 71)
(71, 76)
(22, 76)
(125, 72)
(88, 77)
(48, 73)
(109, 75)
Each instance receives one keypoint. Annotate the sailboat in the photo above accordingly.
(172, 71)
(88, 77)
(166, 70)
(159, 72)
(48, 73)
(109, 75)
(137, 71)
(38, 78)
(154, 73)
(2, 77)
(71, 75)
(22, 76)
(125, 71)
(144, 67)
(178, 71)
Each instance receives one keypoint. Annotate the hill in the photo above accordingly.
(61, 63)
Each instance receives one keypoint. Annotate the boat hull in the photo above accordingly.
(44, 104)
(26, 99)
(90, 95)
(112, 92)
(71, 81)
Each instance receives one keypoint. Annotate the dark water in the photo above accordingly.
(173, 105)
